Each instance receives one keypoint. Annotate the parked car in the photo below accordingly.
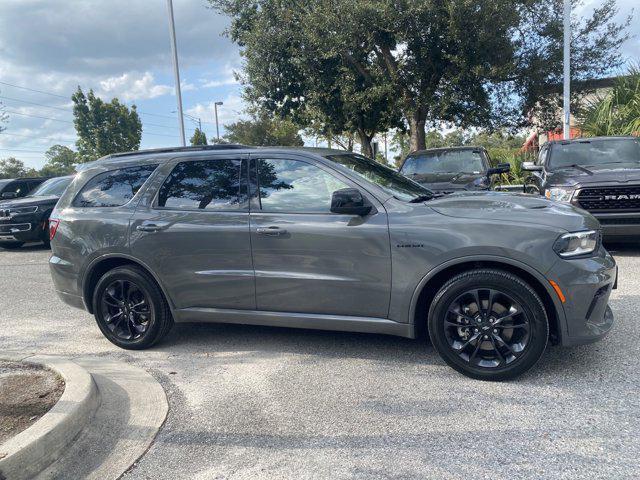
(326, 239)
(599, 174)
(447, 170)
(27, 219)
(18, 187)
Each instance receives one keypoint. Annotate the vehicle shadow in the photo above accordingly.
(263, 341)
(623, 249)
(29, 247)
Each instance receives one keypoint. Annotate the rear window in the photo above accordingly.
(113, 188)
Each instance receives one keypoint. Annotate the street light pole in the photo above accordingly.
(176, 70)
(215, 108)
(566, 101)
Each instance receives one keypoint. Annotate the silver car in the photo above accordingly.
(326, 239)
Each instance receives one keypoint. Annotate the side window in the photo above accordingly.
(294, 186)
(113, 188)
(204, 185)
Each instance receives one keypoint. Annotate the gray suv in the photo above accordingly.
(326, 239)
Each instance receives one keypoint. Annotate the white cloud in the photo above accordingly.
(133, 86)
(232, 110)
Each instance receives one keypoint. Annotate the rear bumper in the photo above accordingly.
(65, 282)
(587, 284)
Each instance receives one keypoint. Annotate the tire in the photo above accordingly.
(11, 245)
(135, 329)
(502, 340)
(44, 236)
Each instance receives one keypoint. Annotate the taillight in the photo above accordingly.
(53, 227)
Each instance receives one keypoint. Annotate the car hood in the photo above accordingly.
(449, 181)
(599, 174)
(514, 208)
(30, 201)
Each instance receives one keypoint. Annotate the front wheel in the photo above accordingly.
(130, 308)
(488, 324)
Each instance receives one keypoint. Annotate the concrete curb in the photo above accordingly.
(32, 450)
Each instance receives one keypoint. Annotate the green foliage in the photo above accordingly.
(13, 168)
(617, 112)
(61, 161)
(354, 65)
(104, 128)
(198, 138)
(263, 130)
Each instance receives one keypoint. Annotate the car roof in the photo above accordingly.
(446, 149)
(589, 139)
(163, 154)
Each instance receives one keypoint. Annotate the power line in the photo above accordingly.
(20, 150)
(38, 116)
(68, 98)
(32, 136)
(34, 103)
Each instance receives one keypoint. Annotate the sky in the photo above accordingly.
(122, 49)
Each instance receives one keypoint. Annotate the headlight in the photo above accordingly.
(559, 194)
(21, 210)
(577, 243)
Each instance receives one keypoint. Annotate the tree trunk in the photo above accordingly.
(365, 143)
(416, 128)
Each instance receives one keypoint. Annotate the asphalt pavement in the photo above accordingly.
(273, 403)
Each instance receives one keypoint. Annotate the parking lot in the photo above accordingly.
(254, 402)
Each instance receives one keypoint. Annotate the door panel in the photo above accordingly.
(195, 236)
(319, 262)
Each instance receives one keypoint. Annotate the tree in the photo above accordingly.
(61, 161)
(263, 130)
(474, 63)
(293, 70)
(104, 128)
(198, 138)
(12, 168)
(616, 113)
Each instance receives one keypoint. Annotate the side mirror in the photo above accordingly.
(349, 201)
(10, 195)
(501, 168)
(531, 167)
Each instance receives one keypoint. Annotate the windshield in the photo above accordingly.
(53, 186)
(595, 152)
(388, 179)
(451, 161)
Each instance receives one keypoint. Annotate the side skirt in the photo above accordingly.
(295, 320)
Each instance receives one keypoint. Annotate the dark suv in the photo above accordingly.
(26, 219)
(327, 239)
(599, 174)
(452, 169)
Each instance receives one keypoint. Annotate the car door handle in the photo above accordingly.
(271, 231)
(152, 227)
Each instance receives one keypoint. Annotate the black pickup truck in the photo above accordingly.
(598, 174)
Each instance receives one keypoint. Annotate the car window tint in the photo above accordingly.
(113, 188)
(295, 186)
(204, 185)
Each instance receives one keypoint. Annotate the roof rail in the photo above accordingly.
(196, 148)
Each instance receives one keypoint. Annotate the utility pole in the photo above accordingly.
(215, 108)
(566, 101)
(176, 70)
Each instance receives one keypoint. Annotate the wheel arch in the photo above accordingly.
(431, 283)
(105, 263)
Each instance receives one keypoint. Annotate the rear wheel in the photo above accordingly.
(11, 245)
(130, 309)
(488, 324)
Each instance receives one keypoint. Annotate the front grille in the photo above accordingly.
(610, 198)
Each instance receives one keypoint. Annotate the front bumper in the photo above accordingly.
(587, 284)
(619, 226)
(18, 230)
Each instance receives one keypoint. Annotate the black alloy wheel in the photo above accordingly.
(130, 308)
(488, 324)
(126, 310)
